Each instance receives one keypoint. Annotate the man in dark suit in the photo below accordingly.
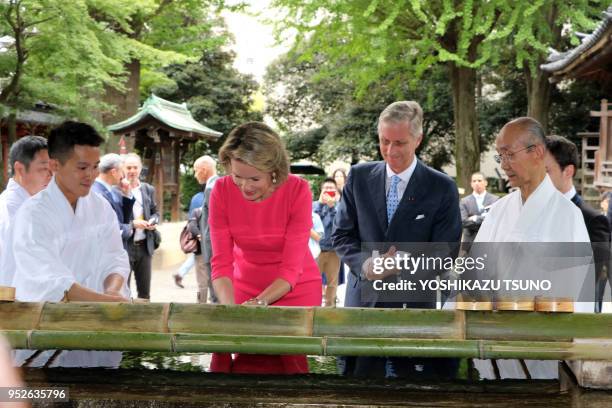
(109, 185)
(561, 165)
(474, 208)
(398, 200)
(142, 242)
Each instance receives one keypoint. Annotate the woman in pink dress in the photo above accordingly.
(260, 220)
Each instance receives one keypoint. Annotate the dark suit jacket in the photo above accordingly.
(469, 208)
(122, 207)
(149, 210)
(599, 233)
(428, 212)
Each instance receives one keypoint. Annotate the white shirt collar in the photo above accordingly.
(570, 194)
(544, 189)
(404, 175)
(12, 185)
(479, 196)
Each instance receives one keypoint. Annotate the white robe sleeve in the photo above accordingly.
(40, 274)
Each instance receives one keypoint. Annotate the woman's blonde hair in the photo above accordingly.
(256, 144)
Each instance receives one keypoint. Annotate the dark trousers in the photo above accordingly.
(140, 264)
(601, 281)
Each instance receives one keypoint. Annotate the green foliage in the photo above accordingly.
(322, 119)
(61, 55)
(189, 188)
(68, 53)
(570, 107)
(216, 94)
(386, 41)
(314, 181)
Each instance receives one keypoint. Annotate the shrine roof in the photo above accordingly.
(174, 115)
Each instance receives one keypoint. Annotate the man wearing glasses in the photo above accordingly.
(534, 213)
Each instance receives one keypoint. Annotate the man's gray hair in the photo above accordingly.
(24, 150)
(110, 161)
(133, 156)
(206, 160)
(404, 111)
(530, 126)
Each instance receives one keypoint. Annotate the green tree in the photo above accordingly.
(543, 29)
(377, 39)
(216, 94)
(322, 119)
(570, 105)
(69, 53)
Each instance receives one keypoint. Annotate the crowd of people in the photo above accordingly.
(76, 225)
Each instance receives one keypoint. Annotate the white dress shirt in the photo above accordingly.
(138, 211)
(479, 199)
(404, 179)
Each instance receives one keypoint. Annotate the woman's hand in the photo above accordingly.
(255, 302)
(271, 294)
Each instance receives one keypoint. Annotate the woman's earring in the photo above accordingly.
(273, 178)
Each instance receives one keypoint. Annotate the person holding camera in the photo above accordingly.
(328, 261)
(142, 242)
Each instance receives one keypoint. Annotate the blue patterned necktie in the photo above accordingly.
(392, 198)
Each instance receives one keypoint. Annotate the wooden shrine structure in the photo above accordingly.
(36, 121)
(591, 61)
(161, 132)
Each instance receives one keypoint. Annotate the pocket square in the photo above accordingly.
(420, 217)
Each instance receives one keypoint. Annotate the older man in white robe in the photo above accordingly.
(535, 213)
(66, 240)
(29, 162)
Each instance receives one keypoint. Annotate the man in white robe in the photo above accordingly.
(535, 213)
(29, 163)
(66, 240)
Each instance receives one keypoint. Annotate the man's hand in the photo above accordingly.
(124, 186)
(368, 267)
(79, 293)
(115, 298)
(142, 224)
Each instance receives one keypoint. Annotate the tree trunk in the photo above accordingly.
(12, 128)
(538, 87)
(125, 103)
(467, 148)
(538, 96)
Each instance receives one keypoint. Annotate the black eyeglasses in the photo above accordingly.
(509, 156)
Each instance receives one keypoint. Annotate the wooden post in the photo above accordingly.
(605, 141)
(158, 175)
(175, 211)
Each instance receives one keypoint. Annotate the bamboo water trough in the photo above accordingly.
(177, 327)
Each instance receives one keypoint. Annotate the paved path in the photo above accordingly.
(166, 261)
